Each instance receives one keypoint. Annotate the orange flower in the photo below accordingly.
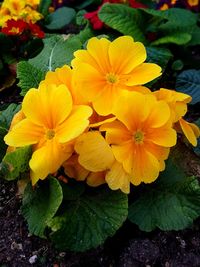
(51, 124)
(141, 135)
(106, 68)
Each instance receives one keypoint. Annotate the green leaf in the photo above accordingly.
(40, 204)
(5, 120)
(188, 82)
(7, 115)
(56, 52)
(173, 18)
(179, 38)
(16, 162)
(124, 19)
(172, 203)
(87, 221)
(195, 36)
(60, 18)
(3, 146)
(44, 7)
(160, 56)
(29, 76)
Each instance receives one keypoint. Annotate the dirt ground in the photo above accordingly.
(128, 248)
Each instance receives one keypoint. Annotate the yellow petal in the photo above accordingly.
(146, 167)
(144, 73)
(94, 152)
(163, 136)
(159, 115)
(24, 133)
(188, 131)
(132, 109)
(125, 54)
(47, 160)
(98, 49)
(48, 106)
(116, 132)
(96, 178)
(90, 81)
(104, 102)
(75, 124)
(74, 170)
(117, 178)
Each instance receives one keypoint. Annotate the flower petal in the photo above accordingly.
(48, 159)
(117, 178)
(48, 106)
(94, 152)
(188, 131)
(96, 178)
(75, 124)
(163, 136)
(144, 73)
(125, 54)
(24, 133)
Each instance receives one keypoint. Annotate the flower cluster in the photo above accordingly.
(99, 121)
(25, 10)
(97, 24)
(188, 4)
(19, 27)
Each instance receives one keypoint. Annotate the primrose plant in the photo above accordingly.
(88, 135)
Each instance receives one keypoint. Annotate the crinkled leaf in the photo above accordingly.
(160, 56)
(60, 18)
(173, 18)
(195, 36)
(188, 82)
(126, 20)
(29, 76)
(40, 204)
(172, 203)
(87, 221)
(178, 38)
(16, 162)
(57, 52)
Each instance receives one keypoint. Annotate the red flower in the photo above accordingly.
(35, 30)
(136, 4)
(14, 27)
(97, 24)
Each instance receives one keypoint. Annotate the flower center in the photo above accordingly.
(138, 137)
(111, 78)
(50, 134)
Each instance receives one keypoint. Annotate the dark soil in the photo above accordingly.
(128, 248)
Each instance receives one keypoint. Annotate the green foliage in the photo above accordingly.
(5, 120)
(160, 56)
(57, 52)
(44, 7)
(15, 163)
(28, 81)
(179, 38)
(188, 82)
(172, 18)
(124, 19)
(171, 203)
(60, 18)
(40, 204)
(88, 218)
(177, 65)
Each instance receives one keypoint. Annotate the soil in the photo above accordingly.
(128, 248)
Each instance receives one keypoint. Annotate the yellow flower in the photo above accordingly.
(74, 170)
(51, 123)
(177, 102)
(141, 135)
(106, 68)
(96, 155)
(64, 75)
(190, 130)
(14, 6)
